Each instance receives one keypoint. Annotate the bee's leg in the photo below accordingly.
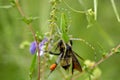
(52, 68)
(71, 42)
(54, 65)
(54, 53)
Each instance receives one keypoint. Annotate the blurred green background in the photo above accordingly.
(15, 61)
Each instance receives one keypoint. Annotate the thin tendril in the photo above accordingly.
(74, 9)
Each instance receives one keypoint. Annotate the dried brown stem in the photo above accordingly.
(114, 50)
(33, 33)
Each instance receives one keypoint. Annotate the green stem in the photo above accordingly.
(114, 50)
(74, 9)
(115, 10)
(95, 8)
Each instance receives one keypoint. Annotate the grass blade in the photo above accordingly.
(32, 67)
(115, 10)
(95, 9)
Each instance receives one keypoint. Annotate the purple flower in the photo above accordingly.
(41, 46)
(42, 43)
(33, 47)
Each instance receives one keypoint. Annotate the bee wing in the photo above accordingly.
(75, 63)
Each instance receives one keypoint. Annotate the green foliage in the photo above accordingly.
(17, 63)
(24, 44)
(90, 18)
(92, 74)
(12, 4)
(115, 10)
(95, 8)
(6, 6)
(32, 67)
(64, 28)
(118, 51)
(29, 20)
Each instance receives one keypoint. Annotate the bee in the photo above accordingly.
(66, 57)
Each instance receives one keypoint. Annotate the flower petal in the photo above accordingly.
(33, 47)
(42, 46)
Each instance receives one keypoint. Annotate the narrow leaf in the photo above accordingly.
(63, 24)
(115, 10)
(64, 28)
(6, 6)
(95, 9)
(32, 67)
